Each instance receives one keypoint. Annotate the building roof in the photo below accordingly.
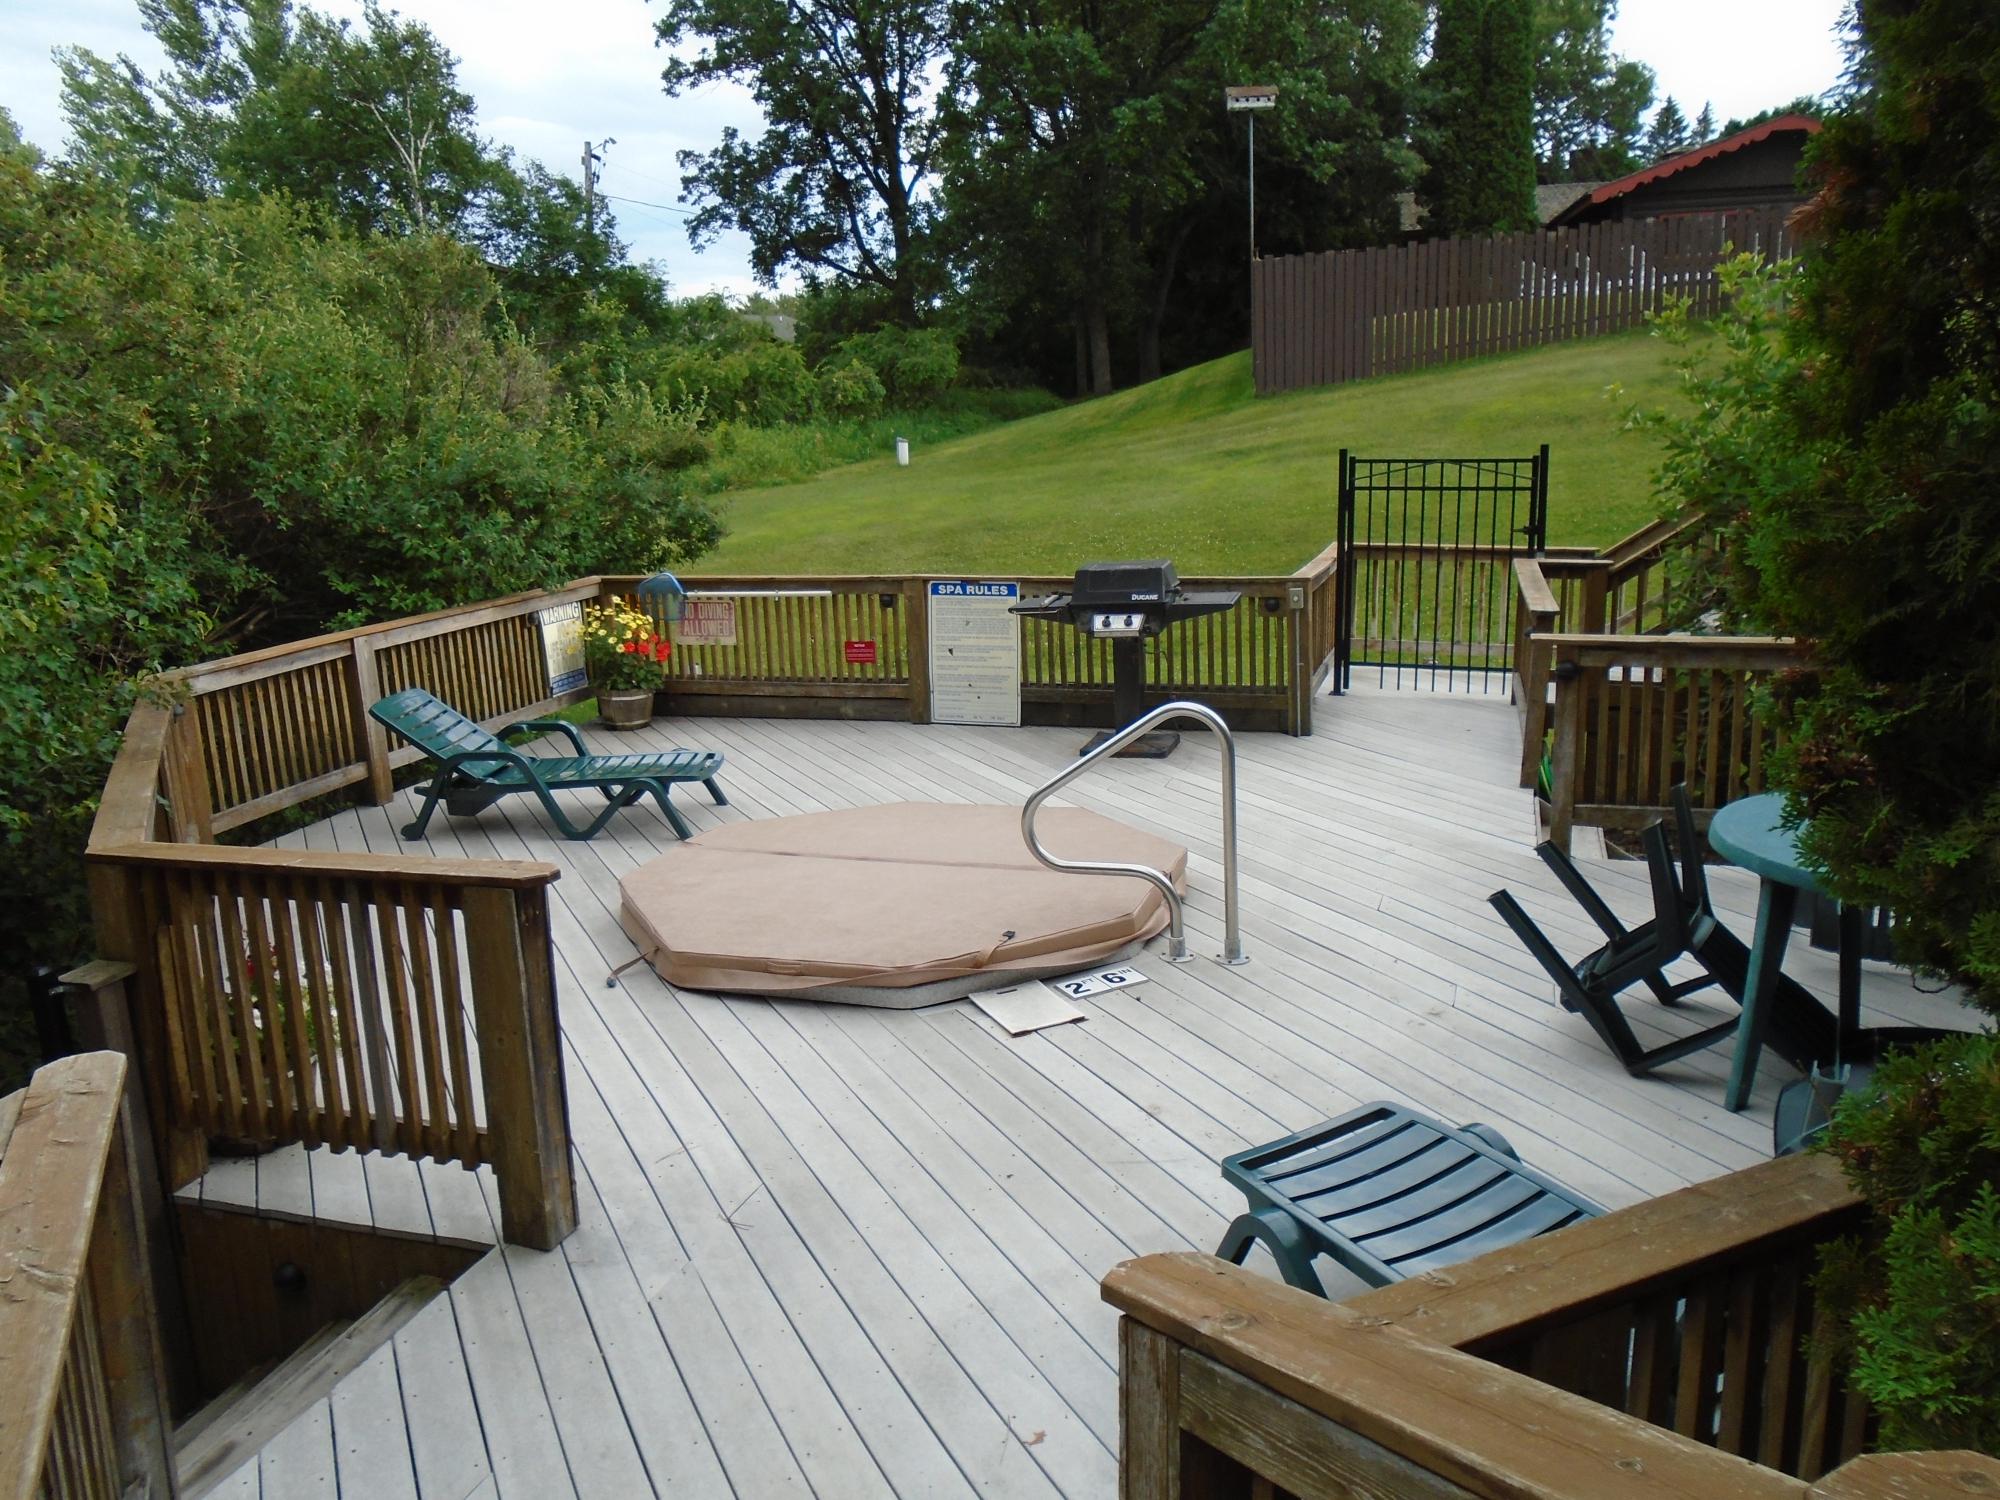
(1673, 165)
(1551, 198)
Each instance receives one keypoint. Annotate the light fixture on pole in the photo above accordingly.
(1248, 98)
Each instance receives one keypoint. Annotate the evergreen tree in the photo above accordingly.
(1590, 106)
(1479, 117)
(1704, 127)
(1670, 135)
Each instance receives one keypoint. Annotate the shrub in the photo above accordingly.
(245, 426)
(916, 366)
(849, 389)
(1923, 1285)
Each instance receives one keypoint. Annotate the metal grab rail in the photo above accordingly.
(1177, 950)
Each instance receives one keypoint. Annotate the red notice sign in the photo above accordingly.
(861, 653)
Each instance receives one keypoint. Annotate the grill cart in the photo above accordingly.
(1128, 602)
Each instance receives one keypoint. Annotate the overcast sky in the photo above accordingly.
(551, 74)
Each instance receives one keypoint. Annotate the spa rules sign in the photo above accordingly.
(975, 653)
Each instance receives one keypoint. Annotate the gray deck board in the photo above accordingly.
(848, 1252)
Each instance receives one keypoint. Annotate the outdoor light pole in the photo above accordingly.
(1249, 99)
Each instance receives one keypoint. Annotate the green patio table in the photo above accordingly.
(1751, 833)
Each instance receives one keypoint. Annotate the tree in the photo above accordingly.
(1478, 138)
(1869, 532)
(1589, 105)
(1670, 134)
(1806, 104)
(1095, 186)
(1069, 140)
(258, 98)
(1704, 127)
(836, 185)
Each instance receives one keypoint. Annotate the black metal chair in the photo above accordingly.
(1638, 955)
(1389, 1193)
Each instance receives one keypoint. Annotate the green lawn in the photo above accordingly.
(1194, 467)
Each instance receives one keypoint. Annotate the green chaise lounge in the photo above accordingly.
(476, 768)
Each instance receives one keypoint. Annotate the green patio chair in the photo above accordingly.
(476, 768)
(1389, 1193)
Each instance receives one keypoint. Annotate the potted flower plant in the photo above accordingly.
(626, 654)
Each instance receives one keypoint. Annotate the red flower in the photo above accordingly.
(629, 646)
(662, 648)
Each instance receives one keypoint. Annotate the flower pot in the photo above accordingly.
(626, 710)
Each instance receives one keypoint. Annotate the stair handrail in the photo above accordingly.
(1177, 949)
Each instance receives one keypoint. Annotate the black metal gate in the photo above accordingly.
(1426, 573)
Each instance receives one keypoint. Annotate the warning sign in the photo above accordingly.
(562, 647)
(707, 622)
(859, 653)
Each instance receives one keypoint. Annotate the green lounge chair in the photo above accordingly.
(475, 768)
(1388, 1193)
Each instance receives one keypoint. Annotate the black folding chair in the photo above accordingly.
(1638, 955)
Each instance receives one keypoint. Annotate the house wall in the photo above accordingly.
(1764, 174)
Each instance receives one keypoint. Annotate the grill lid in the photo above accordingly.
(1123, 584)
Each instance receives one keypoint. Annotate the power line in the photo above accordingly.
(642, 203)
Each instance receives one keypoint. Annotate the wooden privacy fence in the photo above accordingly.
(1350, 314)
(82, 1387)
(1665, 1350)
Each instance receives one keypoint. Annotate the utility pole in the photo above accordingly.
(593, 157)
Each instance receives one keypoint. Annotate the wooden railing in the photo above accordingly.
(1635, 715)
(82, 1393)
(279, 727)
(1258, 664)
(403, 1004)
(1663, 1350)
(383, 1002)
(1622, 709)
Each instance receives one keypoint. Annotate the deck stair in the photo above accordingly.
(229, 1430)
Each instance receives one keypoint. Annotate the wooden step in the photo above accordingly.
(223, 1435)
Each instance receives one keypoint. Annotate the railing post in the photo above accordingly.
(126, 935)
(374, 738)
(186, 768)
(1571, 682)
(510, 953)
(1532, 682)
(102, 1006)
(1596, 586)
(1298, 599)
(130, 1281)
(917, 645)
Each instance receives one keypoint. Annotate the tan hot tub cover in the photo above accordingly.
(900, 905)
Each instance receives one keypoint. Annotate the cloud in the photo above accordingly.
(546, 77)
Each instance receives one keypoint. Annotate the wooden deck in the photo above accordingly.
(847, 1252)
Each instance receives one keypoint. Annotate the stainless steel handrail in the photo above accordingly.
(1177, 950)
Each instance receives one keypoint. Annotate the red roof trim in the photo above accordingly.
(1699, 155)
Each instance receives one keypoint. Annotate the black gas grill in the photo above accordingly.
(1128, 602)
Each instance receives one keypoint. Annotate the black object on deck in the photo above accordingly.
(1128, 602)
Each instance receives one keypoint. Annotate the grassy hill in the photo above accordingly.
(1196, 468)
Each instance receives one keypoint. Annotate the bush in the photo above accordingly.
(764, 382)
(246, 426)
(849, 390)
(1857, 457)
(916, 366)
(1923, 1286)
